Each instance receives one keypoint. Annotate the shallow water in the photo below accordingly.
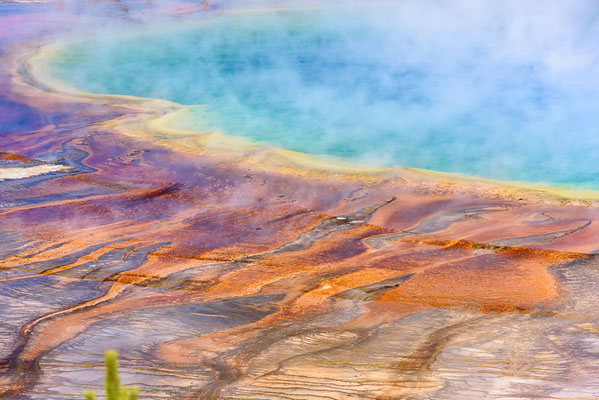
(392, 86)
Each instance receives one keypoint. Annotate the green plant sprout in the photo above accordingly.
(114, 390)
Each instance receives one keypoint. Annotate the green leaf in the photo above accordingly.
(114, 391)
(90, 395)
(112, 375)
(134, 393)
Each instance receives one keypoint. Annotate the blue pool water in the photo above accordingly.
(494, 92)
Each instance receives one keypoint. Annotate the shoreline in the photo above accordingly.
(248, 273)
(156, 118)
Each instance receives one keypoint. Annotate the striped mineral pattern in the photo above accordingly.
(244, 274)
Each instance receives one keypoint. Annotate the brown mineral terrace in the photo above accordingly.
(243, 274)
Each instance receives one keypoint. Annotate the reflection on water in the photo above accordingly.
(367, 86)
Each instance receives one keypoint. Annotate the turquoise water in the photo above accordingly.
(401, 85)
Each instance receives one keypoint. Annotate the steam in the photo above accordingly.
(505, 89)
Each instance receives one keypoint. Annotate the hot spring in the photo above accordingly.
(498, 92)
